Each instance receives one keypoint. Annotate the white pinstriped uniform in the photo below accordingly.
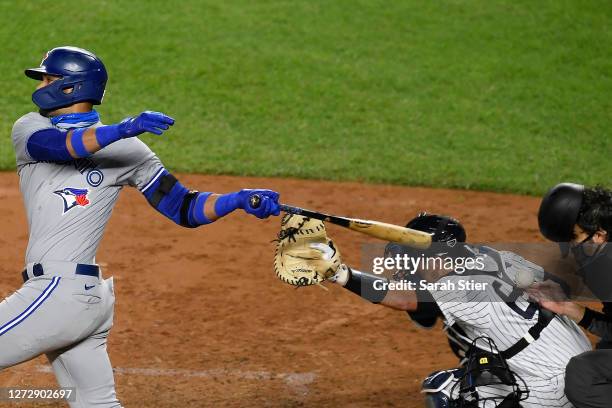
(487, 313)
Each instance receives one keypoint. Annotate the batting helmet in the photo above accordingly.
(78, 69)
(559, 211)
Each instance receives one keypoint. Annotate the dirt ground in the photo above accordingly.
(201, 320)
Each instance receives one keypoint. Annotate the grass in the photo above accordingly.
(490, 95)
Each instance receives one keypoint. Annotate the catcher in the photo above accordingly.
(521, 343)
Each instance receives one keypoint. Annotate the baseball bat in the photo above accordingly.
(377, 229)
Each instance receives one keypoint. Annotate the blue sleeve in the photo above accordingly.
(168, 196)
(48, 145)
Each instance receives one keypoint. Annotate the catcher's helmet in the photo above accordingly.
(559, 211)
(78, 69)
(444, 229)
(447, 232)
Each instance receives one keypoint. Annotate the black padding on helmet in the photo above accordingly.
(559, 211)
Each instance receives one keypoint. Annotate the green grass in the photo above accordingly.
(493, 95)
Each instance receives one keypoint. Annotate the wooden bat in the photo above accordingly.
(377, 229)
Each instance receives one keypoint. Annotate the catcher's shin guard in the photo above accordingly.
(438, 386)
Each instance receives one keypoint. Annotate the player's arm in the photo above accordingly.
(53, 144)
(551, 296)
(600, 324)
(375, 289)
(192, 208)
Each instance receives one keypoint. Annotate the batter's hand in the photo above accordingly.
(266, 206)
(147, 121)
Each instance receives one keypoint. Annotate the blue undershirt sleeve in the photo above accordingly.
(77, 143)
(48, 145)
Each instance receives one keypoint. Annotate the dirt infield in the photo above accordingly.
(201, 320)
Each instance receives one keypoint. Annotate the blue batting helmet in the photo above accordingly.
(78, 69)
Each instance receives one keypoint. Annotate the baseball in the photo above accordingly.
(524, 278)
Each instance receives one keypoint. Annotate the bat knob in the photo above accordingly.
(255, 201)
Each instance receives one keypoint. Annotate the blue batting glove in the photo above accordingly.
(147, 121)
(268, 202)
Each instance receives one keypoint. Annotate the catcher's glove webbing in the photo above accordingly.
(304, 254)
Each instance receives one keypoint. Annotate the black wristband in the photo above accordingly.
(588, 317)
(184, 217)
(362, 284)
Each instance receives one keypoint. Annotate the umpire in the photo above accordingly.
(580, 220)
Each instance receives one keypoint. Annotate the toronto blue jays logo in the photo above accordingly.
(73, 197)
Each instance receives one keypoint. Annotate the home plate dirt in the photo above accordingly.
(202, 321)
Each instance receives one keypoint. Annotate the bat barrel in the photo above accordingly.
(380, 230)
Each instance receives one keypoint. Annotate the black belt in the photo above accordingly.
(81, 269)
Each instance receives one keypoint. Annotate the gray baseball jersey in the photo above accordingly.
(62, 314)
(490, 312)
(69, 204)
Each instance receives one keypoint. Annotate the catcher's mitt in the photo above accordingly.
(304, 254)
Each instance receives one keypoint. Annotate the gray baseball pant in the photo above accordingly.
(67, 317)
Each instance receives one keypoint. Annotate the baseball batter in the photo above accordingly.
(71, 169)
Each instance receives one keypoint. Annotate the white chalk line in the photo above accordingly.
(297, 381)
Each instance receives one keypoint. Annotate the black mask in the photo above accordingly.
(582, 259)
(596, 270)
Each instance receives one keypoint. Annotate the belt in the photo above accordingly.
(544, 317)
(59, 268)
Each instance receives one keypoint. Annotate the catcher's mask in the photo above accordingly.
(485, 367)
